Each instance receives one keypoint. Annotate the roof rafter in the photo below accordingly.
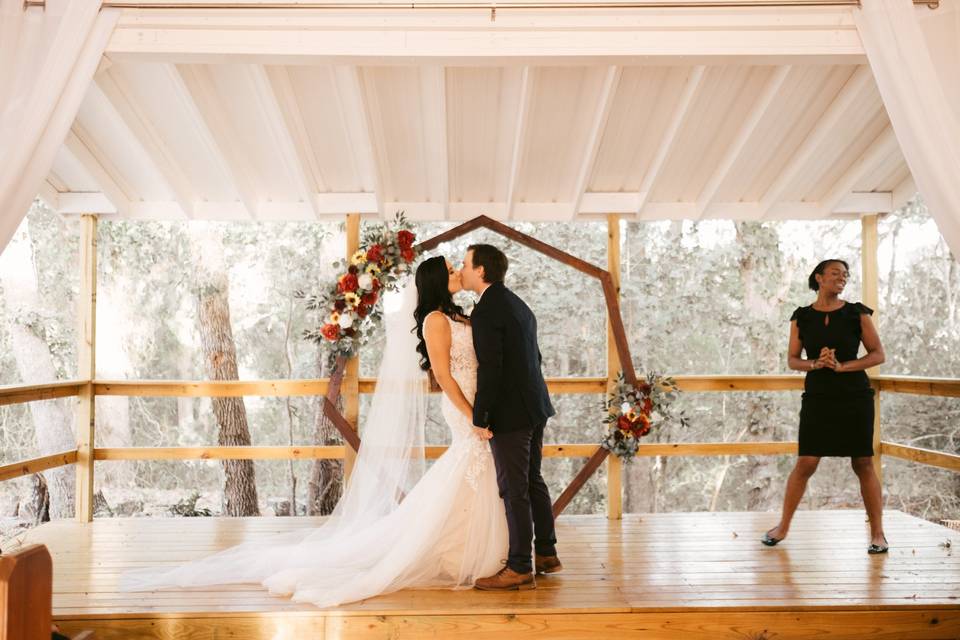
(278, 102)
(604, 103)
(80, 144)
(694, 82)
(859, 82)
(879, 150)
(141, 126)
(735, 150)
(519, 138)
(196, 88)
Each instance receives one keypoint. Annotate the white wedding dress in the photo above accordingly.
(449, 529)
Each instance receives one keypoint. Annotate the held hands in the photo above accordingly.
(482, 434)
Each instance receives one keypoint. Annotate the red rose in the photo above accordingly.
(331, 332)
(647, 406)
(405, 239)
(375, 253)
(645, 388)
(348, 283)
(339, 305)
(407, 254)
(369, 298)
(362, 310)
(375, 285)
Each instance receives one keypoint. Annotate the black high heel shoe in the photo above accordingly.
(769, 540)
(874, 549)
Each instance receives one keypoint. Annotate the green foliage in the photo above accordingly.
(710, 297)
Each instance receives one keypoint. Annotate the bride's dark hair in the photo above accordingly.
(433, 293)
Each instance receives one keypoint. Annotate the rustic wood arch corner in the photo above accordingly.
(610, 295)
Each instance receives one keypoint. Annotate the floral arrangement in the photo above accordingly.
(632, 411)
(351, 304)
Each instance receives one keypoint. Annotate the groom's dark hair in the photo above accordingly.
(493, 261)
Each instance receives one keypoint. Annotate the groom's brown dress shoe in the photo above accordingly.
(547, 564)
(507, 580)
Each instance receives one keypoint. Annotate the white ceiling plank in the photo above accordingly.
(197, 87)
(352, 97)
(519, 136)
(597, 202)
(278, 104)
(903, 193)
(49, 195)
(146, 134)
(834, 116)
(423, 36)
(433, 80)
(469, 210)
(694, 81)
(80, 145)
(860, 202)
(879, 150)
(72, 202)
(757, 113)
(604, 103)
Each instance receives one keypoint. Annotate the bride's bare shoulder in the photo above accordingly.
(436, 321)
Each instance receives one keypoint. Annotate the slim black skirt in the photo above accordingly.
(836, 425)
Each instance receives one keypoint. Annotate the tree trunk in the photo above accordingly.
(326, 476)
(288, 328)
(220, 359)
(760, 314)
(52, 421)
(113, 413)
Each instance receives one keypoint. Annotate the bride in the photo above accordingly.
(396, 526)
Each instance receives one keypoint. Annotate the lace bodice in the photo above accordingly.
(463, 368)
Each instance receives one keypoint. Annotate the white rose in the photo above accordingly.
(346, 320)
(625, 407)
(365, 281)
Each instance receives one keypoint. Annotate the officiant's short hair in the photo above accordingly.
(493, 261)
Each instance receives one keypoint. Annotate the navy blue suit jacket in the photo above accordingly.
(511, 391)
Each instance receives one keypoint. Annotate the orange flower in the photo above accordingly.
(348, 283)
(331, 332)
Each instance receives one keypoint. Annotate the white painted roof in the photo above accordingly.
(535, 115)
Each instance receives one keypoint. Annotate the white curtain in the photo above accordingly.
(914, 53)
(47, 59)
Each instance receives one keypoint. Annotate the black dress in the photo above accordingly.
(836, 412)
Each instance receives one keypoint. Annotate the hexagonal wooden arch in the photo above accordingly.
(613, 309)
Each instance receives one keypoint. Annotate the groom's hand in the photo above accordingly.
(482, 434)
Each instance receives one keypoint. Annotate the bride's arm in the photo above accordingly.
(436, 333)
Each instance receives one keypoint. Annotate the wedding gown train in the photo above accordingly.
(449, 530)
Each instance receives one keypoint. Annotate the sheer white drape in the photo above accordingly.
(47, 59)
(915, 57)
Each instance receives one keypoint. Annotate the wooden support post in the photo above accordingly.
(614, 466)
(871, 297)
(86, 367)
(350, 388)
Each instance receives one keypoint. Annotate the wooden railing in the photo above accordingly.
(317, 387)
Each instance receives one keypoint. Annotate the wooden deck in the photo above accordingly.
(683, 575)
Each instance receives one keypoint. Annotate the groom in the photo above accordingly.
(512, 401)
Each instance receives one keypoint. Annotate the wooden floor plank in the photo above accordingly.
(684, 575)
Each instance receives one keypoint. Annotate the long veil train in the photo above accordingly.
(448, 530)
